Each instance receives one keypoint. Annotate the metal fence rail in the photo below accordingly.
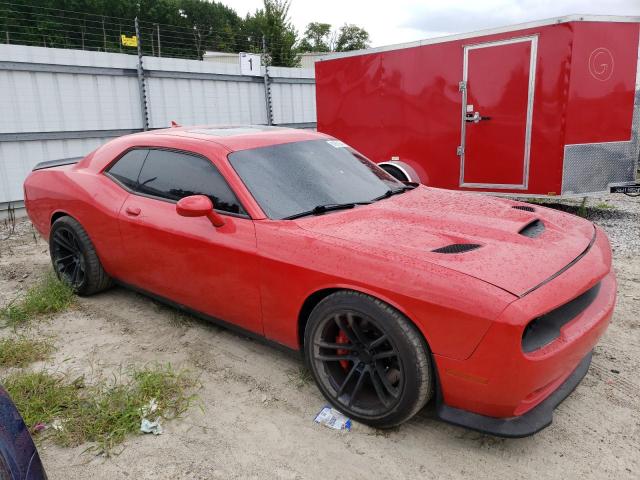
(63, 103)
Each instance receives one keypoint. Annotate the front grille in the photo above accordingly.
(457, 248)
(526, 208)
(533, 229)
(546, 328)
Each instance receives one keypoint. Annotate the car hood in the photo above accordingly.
(419, 221)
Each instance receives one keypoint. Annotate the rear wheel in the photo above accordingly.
(368, 359)
(74, 258)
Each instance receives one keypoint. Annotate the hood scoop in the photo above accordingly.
(457, 248)
(526, 208)
(533, 229)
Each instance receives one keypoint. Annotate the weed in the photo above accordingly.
(103, 413)
(300, 377)
(48, 295)
(21, 351)
(604, 206)
(40, 396)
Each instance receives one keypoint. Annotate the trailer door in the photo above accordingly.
(497, 103)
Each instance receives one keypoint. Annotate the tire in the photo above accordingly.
(74, 258)
(354, 339)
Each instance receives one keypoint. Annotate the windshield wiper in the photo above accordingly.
(320, 209)
(391, 192)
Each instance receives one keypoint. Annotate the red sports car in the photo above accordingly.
(395, 293)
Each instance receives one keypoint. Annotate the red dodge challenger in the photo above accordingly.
(396, 293)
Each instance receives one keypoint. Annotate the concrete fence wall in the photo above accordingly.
(57, 103)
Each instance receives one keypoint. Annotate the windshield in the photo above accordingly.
(292, 178)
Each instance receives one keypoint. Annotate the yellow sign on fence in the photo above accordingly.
(129, 41)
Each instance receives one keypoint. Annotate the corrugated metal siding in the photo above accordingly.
(293, 102)
(90, 102)
(18, 158)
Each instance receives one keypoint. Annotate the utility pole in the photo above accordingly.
(267, 91)
(141, 83)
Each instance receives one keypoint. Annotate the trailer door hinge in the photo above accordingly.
(462, 86)
(460, 150)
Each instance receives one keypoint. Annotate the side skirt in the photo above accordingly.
(221, 323)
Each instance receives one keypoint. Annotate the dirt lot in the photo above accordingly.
(255, 417)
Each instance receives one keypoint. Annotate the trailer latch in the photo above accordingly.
(462, 86)
(460, 150)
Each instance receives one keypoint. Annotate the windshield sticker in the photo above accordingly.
(337, 144)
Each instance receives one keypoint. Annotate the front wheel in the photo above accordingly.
(74, 257)
(368, 359)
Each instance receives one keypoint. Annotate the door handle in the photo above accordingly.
(133, 211)
(475, 117)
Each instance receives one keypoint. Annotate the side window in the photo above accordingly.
(127, 169)
(174, 175)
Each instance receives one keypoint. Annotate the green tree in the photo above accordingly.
(274, 24)
(317, 38)
(352, 37)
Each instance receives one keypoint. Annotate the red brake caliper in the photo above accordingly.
(342, 338)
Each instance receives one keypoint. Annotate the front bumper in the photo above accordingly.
(526, 424)
(501, 382)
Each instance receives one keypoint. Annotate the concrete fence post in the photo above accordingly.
(141, 81)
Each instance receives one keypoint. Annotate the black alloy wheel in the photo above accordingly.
(74, 257)
(67, 257)
(368, 359)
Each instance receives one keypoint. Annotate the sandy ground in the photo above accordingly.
(255, 417)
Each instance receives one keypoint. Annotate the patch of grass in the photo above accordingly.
(49, 295)
(104, 413)
(300, 377)
(604, 206)
(41, 397)
(21, 351)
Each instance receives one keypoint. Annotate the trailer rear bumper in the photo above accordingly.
(524, 425)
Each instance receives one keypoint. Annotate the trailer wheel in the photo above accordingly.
(400, 171)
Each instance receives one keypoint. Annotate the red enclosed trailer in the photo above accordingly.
(544, 108)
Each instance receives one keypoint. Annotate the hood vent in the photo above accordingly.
(526, 208)
(533, 229)
(457, 248)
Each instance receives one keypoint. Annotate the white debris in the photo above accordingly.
(329, 417)
(147, 426)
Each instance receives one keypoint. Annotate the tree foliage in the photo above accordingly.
(318, 37)
(352, 37)
(274, 24)
(173, 28)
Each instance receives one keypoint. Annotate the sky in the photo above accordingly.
(398, 21)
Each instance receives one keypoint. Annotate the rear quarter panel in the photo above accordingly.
(92, 199)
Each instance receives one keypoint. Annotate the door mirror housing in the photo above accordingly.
(199, 206)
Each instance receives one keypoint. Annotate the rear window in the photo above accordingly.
(127, 169)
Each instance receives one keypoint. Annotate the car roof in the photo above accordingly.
(242, 137)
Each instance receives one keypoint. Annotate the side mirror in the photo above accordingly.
(199, 206)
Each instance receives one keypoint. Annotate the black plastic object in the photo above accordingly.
(527, 424)
(533, 229)
(545, 329)
(457, 248)
(526, 208)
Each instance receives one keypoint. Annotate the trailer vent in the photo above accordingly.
(526, 208)
(457, 248)
(533, 229)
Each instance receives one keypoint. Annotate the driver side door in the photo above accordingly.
(188, 260)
